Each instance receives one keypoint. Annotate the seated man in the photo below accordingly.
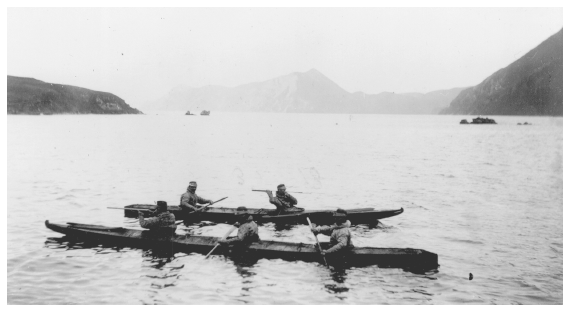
(247, 229)
(163, 222)
(189, 201)
(282, 200)
(339, 232)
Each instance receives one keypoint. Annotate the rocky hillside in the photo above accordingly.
(29, 96)
(532, 85)
(308, 92)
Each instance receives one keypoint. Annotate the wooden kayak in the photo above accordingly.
(413, 259)
(227, 215)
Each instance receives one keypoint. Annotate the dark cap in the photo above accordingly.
(161, 205)
(192, 183)
(241, 210)
(340, 213)
(280, 185)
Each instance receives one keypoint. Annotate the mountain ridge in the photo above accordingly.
(301, 92)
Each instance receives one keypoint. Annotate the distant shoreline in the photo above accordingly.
(29, 96)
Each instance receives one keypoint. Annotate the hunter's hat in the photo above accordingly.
(241, 210)
(161, 205)
(340, 213)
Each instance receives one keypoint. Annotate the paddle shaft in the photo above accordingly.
(207, 205)
(218, 244)
(144, 209)
(318, 244)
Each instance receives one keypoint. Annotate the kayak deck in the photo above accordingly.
(262, 215)
(415, 259)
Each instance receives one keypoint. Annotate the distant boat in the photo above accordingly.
(188, 113)
(205, 113)
(478, 121)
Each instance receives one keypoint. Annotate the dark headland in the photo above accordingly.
(532, 85)
(28, 96)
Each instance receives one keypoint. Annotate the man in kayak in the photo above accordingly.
(189, 201)
(339, 232)
(247, 230)
(162, 223)
(282, 200)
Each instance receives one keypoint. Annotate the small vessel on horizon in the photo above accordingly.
(188, 113)
(205, 113)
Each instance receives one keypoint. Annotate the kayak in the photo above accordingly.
(227, 215)
(413, 259)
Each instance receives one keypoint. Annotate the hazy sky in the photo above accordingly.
(141, 54)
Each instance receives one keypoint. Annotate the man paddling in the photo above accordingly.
(189, 201)
(247, 230)
(339, 232)
(282, 200)
(162, 223)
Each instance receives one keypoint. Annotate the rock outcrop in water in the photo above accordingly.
(532, 85)
(308, 92)
(30, 96)
(478, 121)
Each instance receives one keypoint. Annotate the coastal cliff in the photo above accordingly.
(28, 96)
(532, 85)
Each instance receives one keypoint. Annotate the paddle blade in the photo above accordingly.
(318, 244)
(224, 237)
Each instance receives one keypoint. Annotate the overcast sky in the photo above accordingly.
(141, 54)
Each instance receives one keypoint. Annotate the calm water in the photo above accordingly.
(486, 198)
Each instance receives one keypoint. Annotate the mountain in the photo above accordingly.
(29, 96)
(308, 92)
(532, 85)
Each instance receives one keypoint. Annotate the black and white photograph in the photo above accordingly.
(284, 153)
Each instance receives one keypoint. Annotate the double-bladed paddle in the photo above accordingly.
(318, 244)
(218, 244)
(145, 209)
(177, 222)
(187, 218)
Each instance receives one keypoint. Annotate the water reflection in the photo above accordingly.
(156, 263)
(246, 271)
(157, 258)
(154, 270)
(338, 276)
(162, 274)
(425, 273)
(68, 243)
